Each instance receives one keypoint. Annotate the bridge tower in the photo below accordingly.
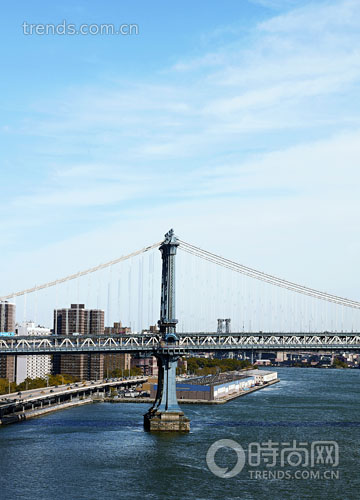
(165, 414)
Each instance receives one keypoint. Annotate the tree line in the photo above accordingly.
(35, 383)
(206, 366)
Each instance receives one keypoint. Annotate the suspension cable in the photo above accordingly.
(80, 273)
(268, 278)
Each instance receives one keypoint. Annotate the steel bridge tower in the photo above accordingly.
(165, 414)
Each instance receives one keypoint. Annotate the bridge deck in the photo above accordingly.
(147, 343)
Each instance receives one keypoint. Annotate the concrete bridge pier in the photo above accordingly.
(165, 414)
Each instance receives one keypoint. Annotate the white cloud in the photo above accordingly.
(278, 4)
(258, 143)
(321, 18)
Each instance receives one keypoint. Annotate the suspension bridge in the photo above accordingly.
(208, 287)
(268, 313)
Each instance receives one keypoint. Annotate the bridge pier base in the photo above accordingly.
(166, 421)
(165, 415)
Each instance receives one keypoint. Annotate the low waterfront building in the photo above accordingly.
(262, 376)
(212, 387)
(228, 388)
(263, 362)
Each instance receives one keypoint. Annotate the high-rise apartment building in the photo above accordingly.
(7, 325)
(77, 320)
(7, 317)
(32, 366)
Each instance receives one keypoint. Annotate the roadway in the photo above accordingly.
(32, 395)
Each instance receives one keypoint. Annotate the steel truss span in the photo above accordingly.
(188, 342)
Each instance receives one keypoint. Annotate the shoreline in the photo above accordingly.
(28, 415)
(317, 367)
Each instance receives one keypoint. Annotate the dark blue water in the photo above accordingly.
(100, 451)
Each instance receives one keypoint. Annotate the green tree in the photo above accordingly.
(205, 366)
(38, 383)
(338, 363)
(5, 387)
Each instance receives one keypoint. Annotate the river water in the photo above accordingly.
(100, 451)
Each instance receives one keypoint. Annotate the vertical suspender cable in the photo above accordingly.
(109, 296)
(119, 309)
(25, 304)
(129, 288)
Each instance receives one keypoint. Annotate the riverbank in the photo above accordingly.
(318, 367)
(29, 414)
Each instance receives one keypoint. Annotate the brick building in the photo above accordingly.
(77, 320)
(7, 325)
(148, 365)
(117, 329)
(117, 361)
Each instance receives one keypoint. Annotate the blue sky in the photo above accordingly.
(235, 122)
